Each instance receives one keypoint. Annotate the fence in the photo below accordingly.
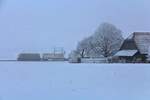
(94, 60)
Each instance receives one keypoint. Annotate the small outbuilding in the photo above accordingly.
(53, 57)
(74, 57)
(29, 57)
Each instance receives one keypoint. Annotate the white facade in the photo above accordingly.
(53, 56)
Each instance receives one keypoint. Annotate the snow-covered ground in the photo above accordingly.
(64, 81)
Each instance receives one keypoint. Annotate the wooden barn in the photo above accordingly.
(135, 48)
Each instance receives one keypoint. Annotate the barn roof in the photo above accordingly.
(129, 44)
(142, 40)
(137, 41)
(128, 53)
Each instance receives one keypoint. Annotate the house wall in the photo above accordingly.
(138, 58)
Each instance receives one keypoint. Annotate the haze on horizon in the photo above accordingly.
(38, 26)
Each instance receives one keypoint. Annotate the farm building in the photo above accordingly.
(53, 57)
(94, 60)
(57, 55)
(74, 57)
(29, 57)
(135, 48)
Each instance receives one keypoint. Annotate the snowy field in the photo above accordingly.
(64, 81)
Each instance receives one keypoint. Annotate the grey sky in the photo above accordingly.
(39, 25)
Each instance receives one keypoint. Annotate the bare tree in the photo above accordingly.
(107, 39)
(104, 42)
(83, 47)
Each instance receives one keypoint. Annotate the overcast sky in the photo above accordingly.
(39, 25)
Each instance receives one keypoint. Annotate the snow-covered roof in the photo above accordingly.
(142, 40)
(130, 36)
(127, 53)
